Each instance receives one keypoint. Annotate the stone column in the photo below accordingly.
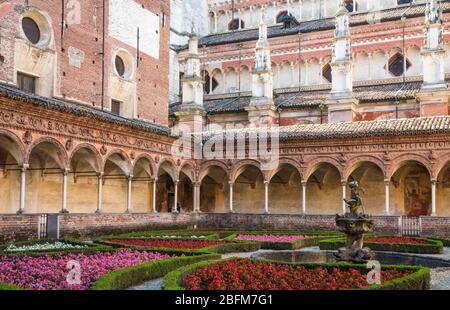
(304, 183)
(387, 210)
(100, 193)
(370, 64)
(23, 178)
(216, 23)
(354, 5)
(433, 197)
(231, 196)
(344, 196)
(64, 192)
(266, 197)
(129, 188)
(154, 184)
(174, 207)
(197, 197)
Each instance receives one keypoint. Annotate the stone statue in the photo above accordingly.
(354, 224)
(433, 13)
(355, 201)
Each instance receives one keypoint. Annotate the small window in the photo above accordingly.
(116, 107)
(399, 2)
(31, 30)
(396, 66)
(163, 19)
(26, 83)
(120, 66)
(234, 24)
(326, 73)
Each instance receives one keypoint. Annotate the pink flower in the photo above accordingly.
(48, 272)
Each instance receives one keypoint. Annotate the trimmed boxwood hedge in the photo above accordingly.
(9, 287)
(431, 247)
(91, 247)
(135, 275)
(231, 247)
(294, 245)
(418, 280)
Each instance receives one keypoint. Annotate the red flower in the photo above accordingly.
(245, 274)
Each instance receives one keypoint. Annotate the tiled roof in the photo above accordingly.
(312, 98)
(314, 25)
(79, 109)
(380, 128)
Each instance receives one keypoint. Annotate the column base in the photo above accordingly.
(20, 212)
(154, 212)
(64, 212)
(99, 212)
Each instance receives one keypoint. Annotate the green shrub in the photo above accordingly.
(9, 287)
(431, 246)
(419, 279)
(135, 275)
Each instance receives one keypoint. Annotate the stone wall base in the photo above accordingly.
(25, 227)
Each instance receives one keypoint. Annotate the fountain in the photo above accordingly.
(354, 225)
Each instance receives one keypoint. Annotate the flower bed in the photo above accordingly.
(47, 246)
(390, 244)
(169, 244)
(248, 274)
(48, 272)
(187, 247)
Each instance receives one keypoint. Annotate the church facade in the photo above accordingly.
(92, 103)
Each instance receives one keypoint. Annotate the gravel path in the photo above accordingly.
(153, 285)
(440, 279)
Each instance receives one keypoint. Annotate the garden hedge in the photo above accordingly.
(185, 235)
(419, 279)
(135, 275)
(431, 246)
(294, 245)
(231, 247)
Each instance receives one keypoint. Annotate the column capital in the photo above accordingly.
(304, 183)
(24, 167)
(66, 171)
(100, 175)
(231, 183)
(387, 182)
(433, 181)
(344, 183)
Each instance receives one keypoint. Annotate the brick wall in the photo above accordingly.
(18, 227)
(25, 227)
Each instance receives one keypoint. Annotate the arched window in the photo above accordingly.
(281, 16)
(210, 83)
(234, 24)
(326, 73)
(287, 19)
(396, 65)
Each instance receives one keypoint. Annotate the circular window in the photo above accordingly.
(120, 66)
(31, 30)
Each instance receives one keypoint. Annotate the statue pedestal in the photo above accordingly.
(354, 226)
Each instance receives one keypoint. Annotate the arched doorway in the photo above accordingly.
(249, 190)
(165, 190)
(82, 194)
(285, 191)
(371, 179)
(10, 161)
(411, 189)
(115, 183)
(214, 193)
(324, 190)
(142, 189)
(44, 188)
